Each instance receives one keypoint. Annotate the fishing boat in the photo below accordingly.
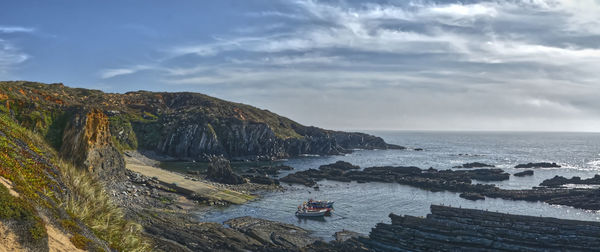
(319, 204)
(311, 212)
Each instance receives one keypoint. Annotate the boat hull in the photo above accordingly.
(319, 213)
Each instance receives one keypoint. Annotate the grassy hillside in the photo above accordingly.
(41, 192)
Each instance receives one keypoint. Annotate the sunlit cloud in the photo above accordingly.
(508, 61)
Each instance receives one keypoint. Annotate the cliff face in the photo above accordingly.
(87, 142)
(182, 125)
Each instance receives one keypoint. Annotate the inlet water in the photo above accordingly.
(359, 207)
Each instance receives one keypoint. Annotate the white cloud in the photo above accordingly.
(14, 29)
(417, 62)
(10, 56)
(114, 72)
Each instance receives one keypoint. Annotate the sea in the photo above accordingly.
(359, 207)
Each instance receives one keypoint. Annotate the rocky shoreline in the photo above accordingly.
(456, 229)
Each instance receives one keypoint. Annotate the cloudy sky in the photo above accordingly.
(404, 64)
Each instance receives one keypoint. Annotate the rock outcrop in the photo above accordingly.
(538, 165)
(456, 229)
(87, 142)
(430, 179)
(559, 181)
(524, 173)
(473, 165)
(272, 233)
(219, 170)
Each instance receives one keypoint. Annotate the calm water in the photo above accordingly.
(359, 207)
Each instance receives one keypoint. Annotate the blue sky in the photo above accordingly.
(436, 65)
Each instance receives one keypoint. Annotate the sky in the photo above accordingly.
(526, 65)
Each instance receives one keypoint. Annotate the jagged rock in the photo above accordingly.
(87, 142)
(538, 165)
(473, 165)
(524, 173)
(219, 170)
(342, 165)
(558, 181)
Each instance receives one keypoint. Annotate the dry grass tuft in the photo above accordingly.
(89, 203)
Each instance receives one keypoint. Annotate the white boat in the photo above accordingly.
(311, 213)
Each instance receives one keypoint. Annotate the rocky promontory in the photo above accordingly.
(188, 126)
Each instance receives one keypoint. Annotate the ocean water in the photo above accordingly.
(359, 207)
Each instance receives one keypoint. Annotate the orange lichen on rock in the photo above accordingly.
(240, 114)
(96, 128)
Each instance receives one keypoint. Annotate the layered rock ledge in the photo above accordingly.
(456, 229)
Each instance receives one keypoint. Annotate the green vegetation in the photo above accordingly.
(16, 209)
(35, 171)
(80, 241)
(122, 133)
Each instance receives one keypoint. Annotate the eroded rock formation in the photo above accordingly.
(87, 142)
